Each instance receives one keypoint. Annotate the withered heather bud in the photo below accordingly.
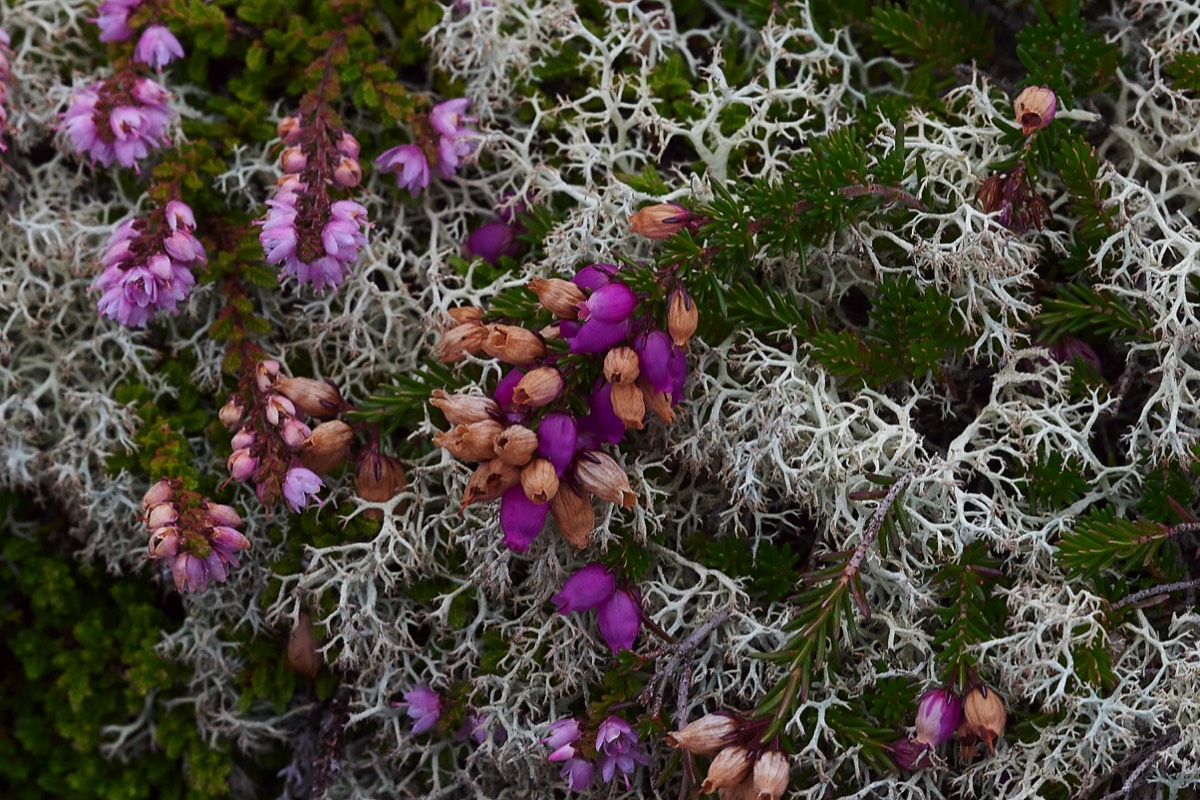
(770, 775)
(657, 403)
(659, 221)
(316, 398)
(537, 388)
(629, 404)
(161, 492)
(984, 715)
(327, 446)
(516, 444)
(513, 344)
(302, 654)
(561, 298)
(540, 481)
(377, 479)
(463, 409)
(161, 515)
(473, 442)
(164, 543)
(459, 342)
(682, 317)
(1035, 108)
(706, 735)
(289, 130)
(729, 768)
(465, 314)
(743, 791)
(265, 373)
(573, 514)
(603, 477)
(490, 480)
(231, 413)
(621, 365)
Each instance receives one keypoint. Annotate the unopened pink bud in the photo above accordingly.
(347, 145)
(293, 160)
(160, 515)
(241, 465)
(347, 174)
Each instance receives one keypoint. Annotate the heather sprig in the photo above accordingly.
(198, 538)
(122, 119)
(444, 140)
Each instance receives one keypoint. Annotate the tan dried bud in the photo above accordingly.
(657, 403)
(771, 772)
(599, 474)
(629, 405)
(984, 715)
(621, 365)
(682, 317)
(516, 444)
(459, 342)
(318, 399)
(327, 446)
(513, 344)
(231, 413)
(537, 388)
(729, 768)
(473, 442)
(490, 480)
(463, 409)
(550, 332)
(302, 654)
(540, 481)
(561, 298)
(377, 479)
(465, 314)
(706, 735)
(1035, 108)
(160, 515)
(659, 221)
(743, 791)
(573, 514)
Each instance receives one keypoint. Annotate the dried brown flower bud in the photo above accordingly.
(561, 298)
(621, 365)
(265, 373)
(659, 221)
(302, 654)
(318, 399)
(682, 317)
(377, 479)
(513, 345)
(573, 514)
(327, 447)
(729, 768)
(629, 405)
(490, 480)
(516, 444)
(771, 772)
(231, 413)
(599, 474)
(657, 403)
(463, 409)
(459, 342)
(984, 715)
(537, 388)
(743, 791)
(161, 515)
(465, 314)
(540, 481)
(473, 442)
(706, 735)
(1035, 108)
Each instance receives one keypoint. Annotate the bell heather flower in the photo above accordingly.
(120, 120)
(157, 47)
(114, 20)
(939, 713)
(618, 609)
(617, 749)
(491, 241)
(586, 589)
(300, 485)
(1035, 108)
(409, 164)
(457, 140)
(424, 706)
(521, 518)
(198, 539)
(620, 619)
(563, 735)
(579, 773)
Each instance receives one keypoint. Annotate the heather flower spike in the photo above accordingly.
(198, 539)
(122, 119)
(617, 750)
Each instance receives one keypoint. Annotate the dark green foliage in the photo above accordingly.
(933, 34)
(769, 570)
(969, 613)
(403, 404)
(1054, 481)
(1079, 168)
(1101, 541)
(1168, 488)
(1080, 310)
(1184, 69)
(891, 701)
(771, 313)
(1063, 54)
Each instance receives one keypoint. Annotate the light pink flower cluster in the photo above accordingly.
(157, 45)
(199, 538)
(273, 446)
(444, 141)
(616, 750)
(121, 119)
(315, 237)
(148, 265)
(5, 77)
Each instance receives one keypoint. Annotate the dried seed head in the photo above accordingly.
(657, 403)
(540, 481)
(231, 413)
(1035, 108)
(660, 221)
(597, 473)
(463, 409)
(318, 399)
(464, 314)
(473, 442)
(621, 365)
(161, 515)
(682, 317)
(302, 654)
(561, 298)
(490, 480)
(573, 514)
(459, 342)
(629, 404)
(984, 715)
(706, 735)
(377, 479)
(729, 768)
(516, 444)
(327, 447)
(537, 388)
(513, 345)
(770, 775)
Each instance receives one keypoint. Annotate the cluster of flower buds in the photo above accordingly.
(535, 455)
(315, 237)
(156, 47)
(148, 264)
(663, 220)
(1035, 108)
(1013, 194)
(444, 140)
(616, 749)
(120, 119)
(5, 77)
(273, 446)
(199, 538)
(941, 715)
(618, 608)
(425, 707)
(742, 768)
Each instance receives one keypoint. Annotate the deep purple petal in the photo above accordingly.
(603, 421)
(557, 434)
(596, 336)
(612, 302)
(594, 276)
(677, 371)
(521, 519)
(620, 620)
(506, 386)
(654, 358)
(491, 241)
(586, 589)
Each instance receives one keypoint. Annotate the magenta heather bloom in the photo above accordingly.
(563, 735)
(409, 164)
(491, 241)
(597, 335)
(457, 140)
(521, 519)
(593, 276)
(578, 772)
(114, 20)
(603, 422)
(557, 440)
(300, 486)
(612, 302)
(618, 610)
(939, 713)
(620, 618)
(157, 47)
(586, 589)
(424, 706)
(617, 749)
(118, 120)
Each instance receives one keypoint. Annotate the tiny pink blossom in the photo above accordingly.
(157, 47)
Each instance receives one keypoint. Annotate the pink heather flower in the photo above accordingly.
(477, 726)
(578, 772)
(593, 276)
(620, 618)
(196, 549)
(114, 20)
(300, 486)
(612, 302)
(939, 713)
(341, 237)
(124, 128)
(241, 464)
(457, 140)
(617, 749)
(586, 589)
(563, 735)
(409, 164)
(424, 706)
(596, 336)
(157, 47)
(491, 241)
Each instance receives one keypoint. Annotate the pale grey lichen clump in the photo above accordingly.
(763, 423)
